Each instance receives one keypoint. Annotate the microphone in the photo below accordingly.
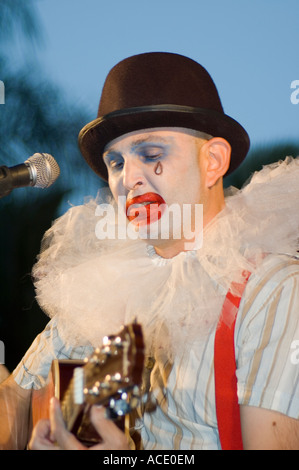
(40, 171)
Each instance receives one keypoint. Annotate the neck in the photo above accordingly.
(171, 248)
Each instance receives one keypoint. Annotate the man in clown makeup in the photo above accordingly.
(218, 303)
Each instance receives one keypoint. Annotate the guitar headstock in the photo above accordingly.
(112, 375)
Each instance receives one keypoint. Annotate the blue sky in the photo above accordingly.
(249, 47)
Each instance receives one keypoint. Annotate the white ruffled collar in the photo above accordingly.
(108, 283)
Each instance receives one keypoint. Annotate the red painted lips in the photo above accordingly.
(144, 209)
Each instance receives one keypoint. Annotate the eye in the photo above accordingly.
(116, 164)
(154, 156)
(151, 153)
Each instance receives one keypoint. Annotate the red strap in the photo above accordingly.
(227, 407)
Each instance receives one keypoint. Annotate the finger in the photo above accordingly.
(113, 437)
(40, 439)
(65, 439)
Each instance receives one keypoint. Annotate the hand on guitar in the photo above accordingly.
(52, 434)
(110, 377)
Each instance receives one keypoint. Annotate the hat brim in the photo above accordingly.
(94, 137)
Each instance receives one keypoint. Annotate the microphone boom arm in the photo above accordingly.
(6, 185)
(11, 178)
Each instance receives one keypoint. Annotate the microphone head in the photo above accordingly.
(44, 170)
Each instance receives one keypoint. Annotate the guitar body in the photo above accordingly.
(109, 378)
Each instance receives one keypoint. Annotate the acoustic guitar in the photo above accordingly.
(111, 377)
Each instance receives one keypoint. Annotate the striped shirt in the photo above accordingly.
(181, 413)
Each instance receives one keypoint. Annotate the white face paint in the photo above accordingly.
(158, 172)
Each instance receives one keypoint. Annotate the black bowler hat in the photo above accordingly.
(159, 89)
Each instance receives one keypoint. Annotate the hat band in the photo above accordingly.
(159, 107)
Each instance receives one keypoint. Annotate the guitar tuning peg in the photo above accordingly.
(126, 402)
(119, 407)
(117, 341)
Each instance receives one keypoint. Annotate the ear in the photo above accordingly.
(218, 159)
